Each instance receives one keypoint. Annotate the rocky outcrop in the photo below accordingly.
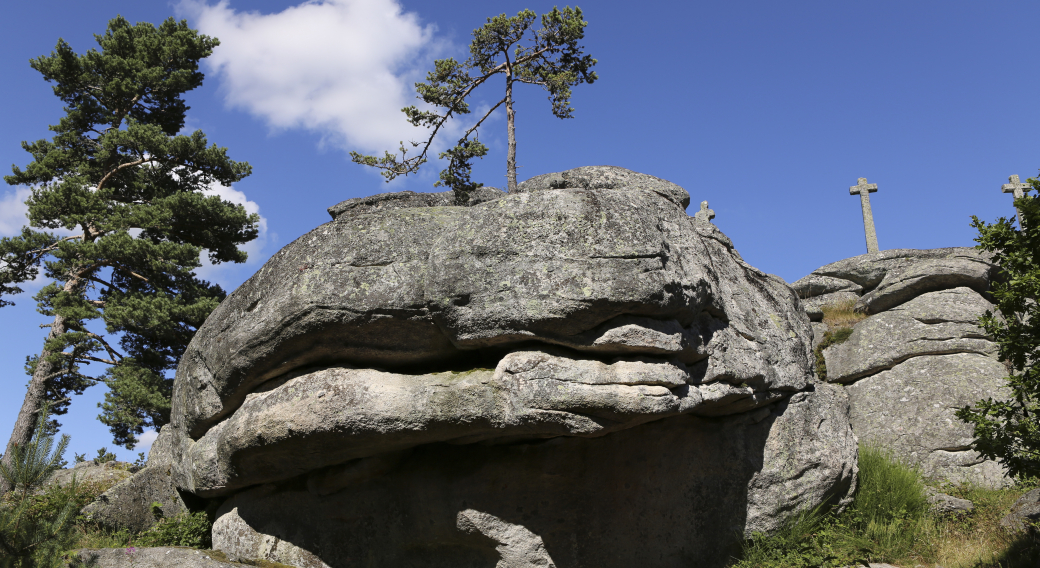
(681, 488)
(129, 504)
(574, 371)
(943, 504)
(88, 472)
(890, 277)
(154, 557)
(918, 357)
(409, 199)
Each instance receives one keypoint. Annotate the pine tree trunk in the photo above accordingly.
(34, 397)
(511, 128)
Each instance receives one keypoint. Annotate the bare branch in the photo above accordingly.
(111, 352)
(100, 281)
(86, 358)
(121, 268)
(487, 114)
(38, 253)
(122, 114)
(120, 167)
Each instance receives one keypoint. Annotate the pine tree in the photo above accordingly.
(27, 538)
(1009, 430)
(118, 219)
(551, 59)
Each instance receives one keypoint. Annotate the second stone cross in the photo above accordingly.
(864, 190)
(1018, 189)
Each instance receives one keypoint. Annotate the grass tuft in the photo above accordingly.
(842, 314)
(889, 521)
(840, 318)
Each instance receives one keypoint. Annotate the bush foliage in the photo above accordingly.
(889, 521)
(36, 532)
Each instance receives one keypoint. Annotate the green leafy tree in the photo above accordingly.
(28, 537)
(549, 57)
(1009, 430)
(126, 192)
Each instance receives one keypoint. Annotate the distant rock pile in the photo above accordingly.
(918, 357)
(576, 373)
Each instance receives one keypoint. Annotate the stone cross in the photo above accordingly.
(705, 215)
(1018, 189)
(864, 190)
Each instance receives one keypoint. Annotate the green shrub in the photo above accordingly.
(887, 518)
(888, 489)
(184, 529)
(104, 456)
(49, 502)
(830, 337)
(33, 536)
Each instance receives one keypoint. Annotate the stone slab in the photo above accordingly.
(633, 497)
(910, 411)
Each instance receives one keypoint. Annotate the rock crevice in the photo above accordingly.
(918, 357)
(423, 383)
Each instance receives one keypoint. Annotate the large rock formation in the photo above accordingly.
(576, 374)
(918, 357)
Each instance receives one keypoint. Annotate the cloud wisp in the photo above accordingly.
(341, 68)
(13, 216)
(221, 273)
(145, 441)
(13, 211)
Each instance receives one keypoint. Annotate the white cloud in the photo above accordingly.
(254, 248)
(145, 440)
(13, 216)
(238, 198)
(343, 68)
(13, 211)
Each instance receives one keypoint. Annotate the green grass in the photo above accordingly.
(830, 337)
(889, 521)
(839, 319)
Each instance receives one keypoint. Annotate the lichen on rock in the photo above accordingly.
(577, 350)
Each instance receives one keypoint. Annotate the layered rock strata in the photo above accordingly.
(573, 374)
(918, 357)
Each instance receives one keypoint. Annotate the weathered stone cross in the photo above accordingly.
(864, 190)
(1018, 189)
(705, 215)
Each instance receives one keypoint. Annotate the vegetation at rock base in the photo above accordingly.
(120, 211)
(1009, 430)
(888, 521)
(551, 58)
(35, 532)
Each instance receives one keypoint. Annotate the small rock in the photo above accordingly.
(1024, 513)
(128, 504)
(943, 503)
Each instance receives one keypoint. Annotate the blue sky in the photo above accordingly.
(768, 110)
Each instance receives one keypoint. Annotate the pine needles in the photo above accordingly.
(27, 537)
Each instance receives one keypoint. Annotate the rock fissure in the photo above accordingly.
(918, 356)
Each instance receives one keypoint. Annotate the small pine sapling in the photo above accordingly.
(28, 539)
(549, 57)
